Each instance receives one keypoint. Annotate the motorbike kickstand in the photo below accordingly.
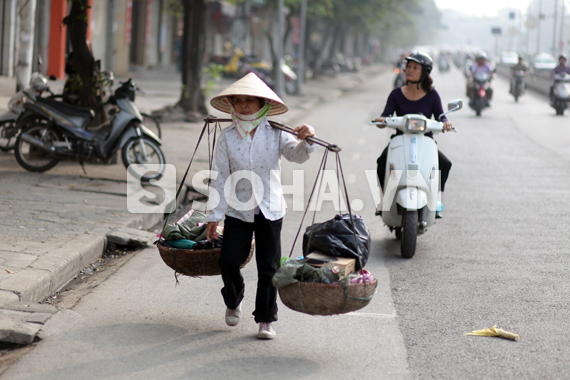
(83, 167)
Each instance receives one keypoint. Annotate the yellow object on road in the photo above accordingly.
(494, 331)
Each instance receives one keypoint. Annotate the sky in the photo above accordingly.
(482, 7)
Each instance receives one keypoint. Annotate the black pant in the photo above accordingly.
(444, 167)
(234, 252)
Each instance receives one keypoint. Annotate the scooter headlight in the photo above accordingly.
(416, 125)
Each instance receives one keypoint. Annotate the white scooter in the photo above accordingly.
(412, 177)
(560, 96)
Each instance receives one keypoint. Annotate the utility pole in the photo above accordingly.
(538, 30)
(527, 47)
(561, 42)
(301, 53)
(27, 12)
(278, 72)
(554, 29)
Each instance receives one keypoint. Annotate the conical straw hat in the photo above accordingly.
(249, 85)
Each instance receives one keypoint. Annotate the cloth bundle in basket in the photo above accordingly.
(195, 262)
(202, 259)
(316, 291)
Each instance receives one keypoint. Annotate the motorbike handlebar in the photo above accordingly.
(378, 123)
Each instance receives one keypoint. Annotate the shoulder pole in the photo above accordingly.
(283, 127)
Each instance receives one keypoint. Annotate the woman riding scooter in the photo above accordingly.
(417, 97)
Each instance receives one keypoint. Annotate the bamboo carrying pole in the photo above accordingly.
(283, 127)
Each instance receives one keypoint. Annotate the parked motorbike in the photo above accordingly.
(412, 177)
(479, 99)
(106, 80)
(238, 64)
(518, 84)
(329, 68)
(289, 77)
(53, 131)
(347, 65)
(560, 95)
(8, 132)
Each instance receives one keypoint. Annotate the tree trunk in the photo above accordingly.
(83, 82)
(335, 38)
(270, 12)
(318, 52)
(192, 100)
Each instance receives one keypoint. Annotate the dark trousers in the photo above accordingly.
(444, 167)
(235, 249)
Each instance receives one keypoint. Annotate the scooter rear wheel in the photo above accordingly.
(409, 234)
(32, 158)
(8, 135)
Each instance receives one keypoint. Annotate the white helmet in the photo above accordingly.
(38, 82)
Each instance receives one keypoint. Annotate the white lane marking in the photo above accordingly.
(371, 315)
(361, 141)
(356, 156)
(351, 178)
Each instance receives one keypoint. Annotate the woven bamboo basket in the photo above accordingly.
(195, 262)
(327, 299)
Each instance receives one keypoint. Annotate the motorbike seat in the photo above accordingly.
(68, 109)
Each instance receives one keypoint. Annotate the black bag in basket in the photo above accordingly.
(335, 237)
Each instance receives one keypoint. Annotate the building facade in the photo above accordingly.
(123, 34)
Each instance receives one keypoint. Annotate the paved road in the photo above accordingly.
(499, 257)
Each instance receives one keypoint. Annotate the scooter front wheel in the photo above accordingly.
(140, 152)
(409, 234)
(152, 123)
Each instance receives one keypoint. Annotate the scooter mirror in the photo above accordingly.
(455, 105)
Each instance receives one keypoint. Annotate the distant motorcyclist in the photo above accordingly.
(481, 66)
(519, 66)
(467, 63)
(400, 69)
(560, 69)
(562, 66)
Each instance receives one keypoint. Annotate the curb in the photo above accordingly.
(54, 270)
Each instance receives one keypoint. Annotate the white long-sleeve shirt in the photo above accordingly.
(257, 159)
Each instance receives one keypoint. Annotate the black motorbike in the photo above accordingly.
(518, 84)
(480, 93)
(52, 131)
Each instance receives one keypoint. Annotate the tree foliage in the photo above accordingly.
(331, 22)
(329, 25)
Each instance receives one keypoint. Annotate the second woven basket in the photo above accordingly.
(327, 299)
(195, 262)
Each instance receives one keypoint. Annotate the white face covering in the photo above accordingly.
(246, 123)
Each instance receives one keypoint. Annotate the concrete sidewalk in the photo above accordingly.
(56, 223)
